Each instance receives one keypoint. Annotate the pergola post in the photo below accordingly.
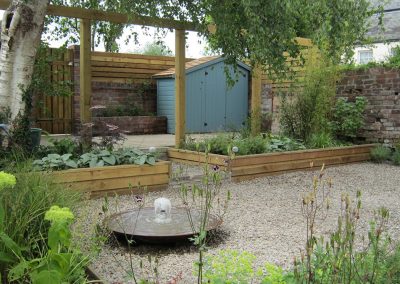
(256, 100)
(85, 71)
(180, 101)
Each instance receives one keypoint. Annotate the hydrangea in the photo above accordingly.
(7, 180)
(57, 214)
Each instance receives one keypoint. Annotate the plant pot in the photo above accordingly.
(36, 134)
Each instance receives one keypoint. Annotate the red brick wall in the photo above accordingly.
(143, 95)
(381, 87)
(131, 124)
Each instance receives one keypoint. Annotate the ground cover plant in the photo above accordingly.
(384, 153)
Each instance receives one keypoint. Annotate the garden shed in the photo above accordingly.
(211, 104)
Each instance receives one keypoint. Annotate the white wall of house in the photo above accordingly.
(377, 52)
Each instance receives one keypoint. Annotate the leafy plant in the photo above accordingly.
(307, 111)
(23, 206)
(95, 158)
(64, 146)
(229, 266)
(396, 157)
(348, 117)
(380, 154)
(321, 140)
(280, 144)
(62, 263)
(55, 162)
(205, 197)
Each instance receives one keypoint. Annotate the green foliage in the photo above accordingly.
(157, 48)
(95, 158)
(67, 29)
(281, 144)
(250, 145)
(380, 154)
(246, 29)
(63, 146)
(229, 266)
(396, 157)
(62, 263)
(309, 111)
(232, 266)
(339, 260)
(348, 117)
(22, 209)
(394, 60)
(55, 162)
(321, 140)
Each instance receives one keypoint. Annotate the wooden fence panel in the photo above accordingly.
(128, 68)
(54, 113)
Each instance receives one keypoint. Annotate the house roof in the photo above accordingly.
(196, 64)
(391, 22)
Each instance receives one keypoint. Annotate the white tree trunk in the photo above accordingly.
(21, 30)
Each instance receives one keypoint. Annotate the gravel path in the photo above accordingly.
(264, 218)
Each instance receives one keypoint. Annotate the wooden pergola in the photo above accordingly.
(88, 15)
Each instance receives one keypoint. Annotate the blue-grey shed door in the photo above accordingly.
(195, 102)
(237, 101)
(214, 87)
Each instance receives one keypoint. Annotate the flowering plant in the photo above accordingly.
(7, 180)
(57, 214)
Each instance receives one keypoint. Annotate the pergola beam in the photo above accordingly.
(114, 17)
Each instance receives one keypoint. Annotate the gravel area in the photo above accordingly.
(264, 218)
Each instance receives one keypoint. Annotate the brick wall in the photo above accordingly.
(381, 87)
(131, 124)
(141, 94)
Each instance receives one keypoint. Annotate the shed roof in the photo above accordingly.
(196, 64)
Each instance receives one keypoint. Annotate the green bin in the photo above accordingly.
(36, 134)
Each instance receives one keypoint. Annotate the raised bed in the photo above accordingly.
(259, 165)
(101, 181)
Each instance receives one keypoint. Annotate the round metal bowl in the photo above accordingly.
(139, 224)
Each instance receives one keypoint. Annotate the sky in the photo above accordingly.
(194, 44)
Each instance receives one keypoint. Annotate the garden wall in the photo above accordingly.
(131, 124)
(381, 87)
(119, 80)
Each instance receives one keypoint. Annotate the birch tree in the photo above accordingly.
(21, 30)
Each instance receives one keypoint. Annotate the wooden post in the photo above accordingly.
(180, 101)
(85, 71)
(256, 100)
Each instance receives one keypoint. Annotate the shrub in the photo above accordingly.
(250, 145)
(309, 111)
(24, 207)
(321, 140)
(396, 157)
(348, 117)
(380, 154)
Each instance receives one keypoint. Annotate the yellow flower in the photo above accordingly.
(7, 180)
(57, 214)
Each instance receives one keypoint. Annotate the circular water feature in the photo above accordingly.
(144, 224)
